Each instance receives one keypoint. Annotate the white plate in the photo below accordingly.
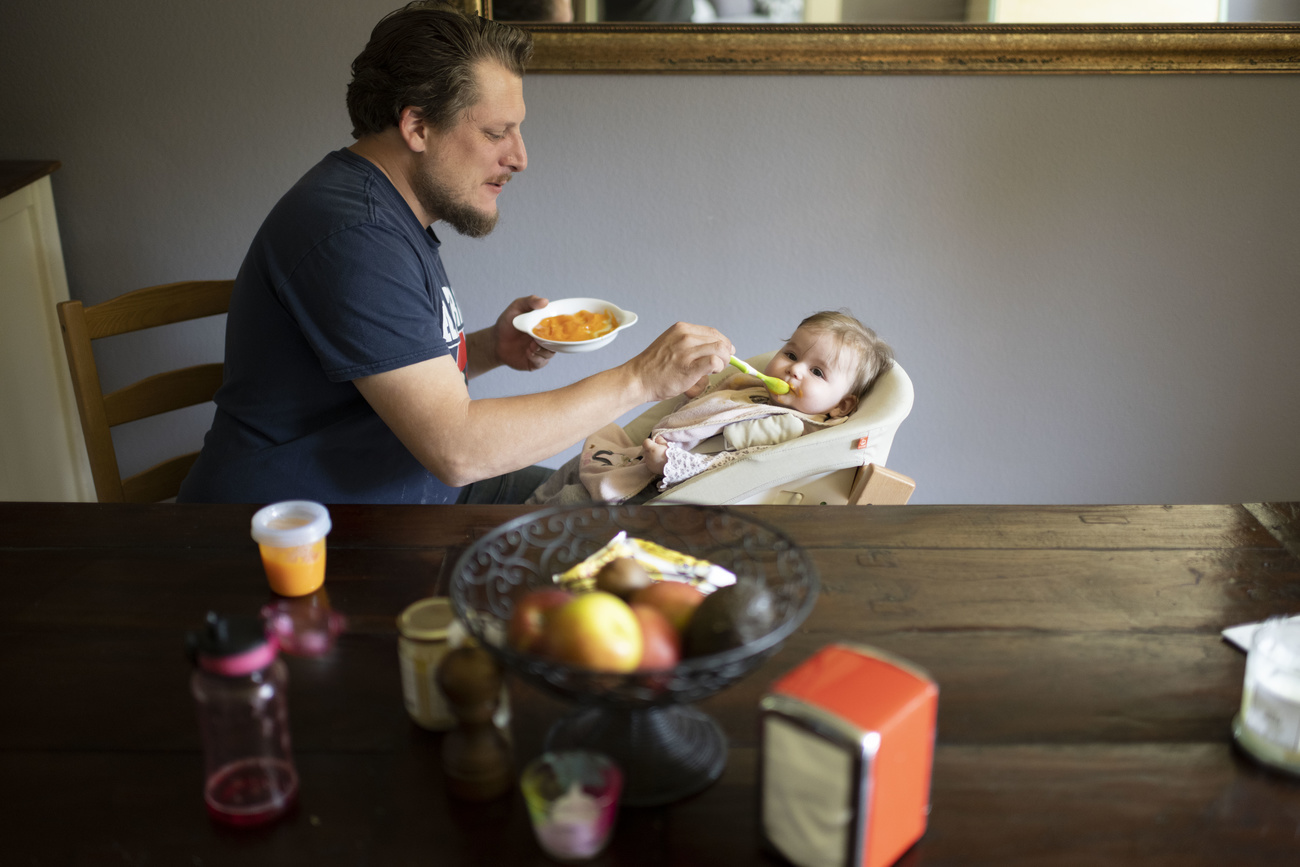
(526, 322)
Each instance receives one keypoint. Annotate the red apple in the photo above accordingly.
(528, 622)
(595, 630)
(661, 644)
(676, 600)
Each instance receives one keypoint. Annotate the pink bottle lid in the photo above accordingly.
(233, 646)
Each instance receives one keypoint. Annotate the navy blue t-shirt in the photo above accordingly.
(341, 282)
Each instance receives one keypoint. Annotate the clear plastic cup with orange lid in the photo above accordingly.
(291, 537)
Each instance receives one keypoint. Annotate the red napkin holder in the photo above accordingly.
(846, 752)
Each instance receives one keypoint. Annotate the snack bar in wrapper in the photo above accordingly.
(663, 564)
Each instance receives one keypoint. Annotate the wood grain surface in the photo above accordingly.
(1084, 712)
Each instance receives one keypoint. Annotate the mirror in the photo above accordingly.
(934, 49)
(916, 36)
(896, 11)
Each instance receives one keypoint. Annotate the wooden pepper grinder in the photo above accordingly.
(475, 754)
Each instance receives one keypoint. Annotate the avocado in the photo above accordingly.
(730, 616)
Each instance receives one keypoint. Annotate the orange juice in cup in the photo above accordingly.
(291, 537)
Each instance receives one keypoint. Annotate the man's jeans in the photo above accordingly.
(510, 489)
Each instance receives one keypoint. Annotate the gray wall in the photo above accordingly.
(1092, 280)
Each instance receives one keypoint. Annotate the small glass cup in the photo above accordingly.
(305, 625)
(291, 537)
(572, 798)
(1268, 726)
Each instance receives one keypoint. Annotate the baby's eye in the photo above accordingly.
(817, 372)
(789, 355)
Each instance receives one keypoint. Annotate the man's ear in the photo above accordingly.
(413, 129)
(845, 406)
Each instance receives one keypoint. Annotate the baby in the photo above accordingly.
(830, 363)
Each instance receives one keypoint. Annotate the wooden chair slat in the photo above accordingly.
(159, 482)
(163, 392)
(158, 305)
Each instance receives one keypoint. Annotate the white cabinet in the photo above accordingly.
(42, 454)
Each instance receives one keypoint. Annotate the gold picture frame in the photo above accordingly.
(962, 49)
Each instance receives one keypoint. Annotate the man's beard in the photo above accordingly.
(437, 198)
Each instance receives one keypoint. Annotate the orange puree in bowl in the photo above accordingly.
(583, 325)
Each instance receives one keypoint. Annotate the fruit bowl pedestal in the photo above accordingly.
(667, 748)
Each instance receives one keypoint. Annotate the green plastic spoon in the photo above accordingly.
(774, 385)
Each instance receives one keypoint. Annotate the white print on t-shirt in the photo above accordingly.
(452, 321)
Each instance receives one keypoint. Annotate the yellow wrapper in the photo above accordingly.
(663, 564)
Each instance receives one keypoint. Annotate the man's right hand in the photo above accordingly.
(680, 360)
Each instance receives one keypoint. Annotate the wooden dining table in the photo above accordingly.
(1085, 691)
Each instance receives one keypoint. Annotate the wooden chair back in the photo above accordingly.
(154, 395)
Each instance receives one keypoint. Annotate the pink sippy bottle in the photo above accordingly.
(239, 685)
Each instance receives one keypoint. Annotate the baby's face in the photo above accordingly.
(819, 373)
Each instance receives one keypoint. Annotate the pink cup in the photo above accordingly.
(572, 799)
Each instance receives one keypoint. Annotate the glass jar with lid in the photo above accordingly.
(1268, 726)
(427, 629)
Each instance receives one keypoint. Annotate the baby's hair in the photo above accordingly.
(874, 356)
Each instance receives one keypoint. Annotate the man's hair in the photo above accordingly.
(874, 356)
(425, 55)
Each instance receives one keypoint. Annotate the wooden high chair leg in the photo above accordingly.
(880, 486)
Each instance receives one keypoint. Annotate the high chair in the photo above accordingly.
(162, 392)
(841, 465)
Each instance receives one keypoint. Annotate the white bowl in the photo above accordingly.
(526, 322)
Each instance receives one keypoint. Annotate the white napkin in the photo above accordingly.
(1242, 635)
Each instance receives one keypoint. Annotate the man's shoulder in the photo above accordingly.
(340, 193)
(341, 183)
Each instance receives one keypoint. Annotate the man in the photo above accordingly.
(346, 362)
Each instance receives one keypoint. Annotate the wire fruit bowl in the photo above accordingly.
(666, 748)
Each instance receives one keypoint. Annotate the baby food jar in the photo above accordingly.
(291, 538)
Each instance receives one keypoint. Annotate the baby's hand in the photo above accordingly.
(655, 452)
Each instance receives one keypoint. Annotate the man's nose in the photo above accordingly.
(516, 159)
